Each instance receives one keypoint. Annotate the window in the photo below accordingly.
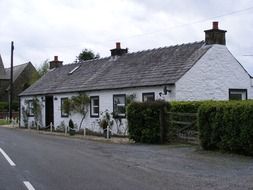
(119, 105)
(73, 70)
(30, 108)
(94, 106)
(148, 97)
(64, 113)
(238, 94)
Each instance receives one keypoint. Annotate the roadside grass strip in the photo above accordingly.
(28, 185)
(7, 157)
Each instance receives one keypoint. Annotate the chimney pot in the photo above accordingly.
(55, 63)
(215, 25)
(215, 35)
(117, 45)
(118, 51)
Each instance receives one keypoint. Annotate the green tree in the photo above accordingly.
(42, 69)
(87, 54)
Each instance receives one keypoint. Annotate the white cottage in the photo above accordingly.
(203, 70)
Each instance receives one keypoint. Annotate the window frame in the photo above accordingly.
(237, 90)
(119, 95)
(148, 93)
(64, 114)
(91, 106)
(30, 108)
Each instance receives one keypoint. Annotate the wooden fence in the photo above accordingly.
(4, 115)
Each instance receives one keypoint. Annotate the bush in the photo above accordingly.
(143, 121)
(227, 126)
(185, 107)
(4, 106)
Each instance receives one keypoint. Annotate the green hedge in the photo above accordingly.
(227, 126)
(4, 106)
(185, 107)
(143, 121)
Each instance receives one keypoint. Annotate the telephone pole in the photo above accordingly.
(11, 82)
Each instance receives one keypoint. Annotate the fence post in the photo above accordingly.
(65, 130)
(162, 119)
(84, 131)
(108, 132)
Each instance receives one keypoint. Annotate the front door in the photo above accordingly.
(49, 108)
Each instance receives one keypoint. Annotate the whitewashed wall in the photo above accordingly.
(212, 76)
(31, 118)
(105, 103)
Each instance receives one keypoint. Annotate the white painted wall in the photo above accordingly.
(212, 76)
(31, 119)
(106, 103)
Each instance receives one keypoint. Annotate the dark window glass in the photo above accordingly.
(119, 105)
(94, 106)
(148, 97)
(63, 112)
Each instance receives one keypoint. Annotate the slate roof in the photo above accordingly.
(2, 70)
(17, 70)
(145, 68)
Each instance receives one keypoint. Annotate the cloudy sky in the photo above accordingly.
(41, 29)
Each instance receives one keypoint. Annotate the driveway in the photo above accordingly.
(52, 162)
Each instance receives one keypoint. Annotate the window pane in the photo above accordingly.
(119, 104)
(238, 94)
(95, 110)
(94, 106)
(64, 106)
(235, 97)
(148, 97)
(95, 102)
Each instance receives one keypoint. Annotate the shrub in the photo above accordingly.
(226, 126)
(185, 107)
(4, 106)
(143, 121)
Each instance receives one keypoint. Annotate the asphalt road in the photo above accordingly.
(52, 163)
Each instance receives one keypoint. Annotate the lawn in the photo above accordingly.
(3, 122)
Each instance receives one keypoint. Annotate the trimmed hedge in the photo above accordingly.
(185, 107)
(227, 126)
(143, 121)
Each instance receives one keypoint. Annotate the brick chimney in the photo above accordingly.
(55, 63)
(118, 51)
(215, 35)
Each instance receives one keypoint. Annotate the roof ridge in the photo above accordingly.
(165, 47)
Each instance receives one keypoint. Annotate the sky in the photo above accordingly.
(42, 29)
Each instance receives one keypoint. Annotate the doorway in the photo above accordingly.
(49, 109)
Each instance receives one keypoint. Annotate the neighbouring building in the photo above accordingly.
(23, 76)
(204, 70)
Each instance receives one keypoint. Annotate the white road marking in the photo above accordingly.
(28, 185)
(7, 157)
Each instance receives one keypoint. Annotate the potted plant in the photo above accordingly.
(71, 128)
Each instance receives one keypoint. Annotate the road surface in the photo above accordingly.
(45, 162)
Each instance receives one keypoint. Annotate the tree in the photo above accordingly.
(77, 104)
(87, 54)
(43, 68)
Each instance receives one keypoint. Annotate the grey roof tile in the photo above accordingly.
(145, 68)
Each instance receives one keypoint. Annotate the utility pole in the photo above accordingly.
(11, 82)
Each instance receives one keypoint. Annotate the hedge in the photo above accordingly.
(185, 107)
(143, 121)
(4, 106)
(226, 126)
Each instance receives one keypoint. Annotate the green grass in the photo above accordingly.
(4, 122)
